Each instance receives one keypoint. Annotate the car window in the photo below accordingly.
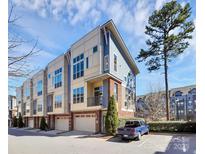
(142, 123)
(137, 123)
(132, 124)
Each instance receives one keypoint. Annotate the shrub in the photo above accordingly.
(43, 124)
(172, 126)
(111, 119)
(20, 121)
(14, 121)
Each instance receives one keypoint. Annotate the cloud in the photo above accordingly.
(36, 5)
(160, 3)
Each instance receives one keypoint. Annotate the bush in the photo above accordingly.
(43, 124)
(172, 126)
(111, 119)
(20, 121)
(14, 121)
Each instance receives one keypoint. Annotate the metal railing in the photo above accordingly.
(49, 108)
(94, 101)
(34, 111)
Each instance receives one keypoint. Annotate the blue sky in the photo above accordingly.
(56, 24)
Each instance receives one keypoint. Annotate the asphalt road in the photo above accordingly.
(25, 142)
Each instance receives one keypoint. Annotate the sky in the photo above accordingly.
(57, 24)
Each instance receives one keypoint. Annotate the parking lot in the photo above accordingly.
(74, 142)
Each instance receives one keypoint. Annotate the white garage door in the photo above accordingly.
(84, 123)
(30, 123)
(62, 124)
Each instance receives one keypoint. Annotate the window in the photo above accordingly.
(39, 87)
(39, 107)
(78, 95)
(115, 62)
(49, 76)
(58, 101)
(27, 92)
(95, 49)
(125, 78)
(58, 78)
(87, 63)
(115, 91)
(78, 66)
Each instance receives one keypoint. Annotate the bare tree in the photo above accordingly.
(18, 57)
(152, 106)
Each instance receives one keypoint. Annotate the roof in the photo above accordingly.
(111, 26)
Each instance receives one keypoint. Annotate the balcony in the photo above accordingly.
(34, 111)
(49, 109)
(94, 101)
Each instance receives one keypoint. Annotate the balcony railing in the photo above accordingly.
(49, 109)
(34, 111)
(94, 101)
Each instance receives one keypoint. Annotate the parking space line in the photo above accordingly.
(142, 142)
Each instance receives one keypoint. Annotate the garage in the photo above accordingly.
(85, 122)
(62, 123)
(31, 123)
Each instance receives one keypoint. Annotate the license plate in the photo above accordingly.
(125, 135)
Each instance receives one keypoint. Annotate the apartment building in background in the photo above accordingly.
(182, 104)
(77, 85)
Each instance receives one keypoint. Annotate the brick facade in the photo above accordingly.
(121, 113)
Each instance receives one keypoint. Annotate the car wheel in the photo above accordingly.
(147, 133)
(139, 136)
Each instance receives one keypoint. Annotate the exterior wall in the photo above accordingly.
(85, 45)
(59, 62)
(27, 100)
(40, 99)
(122, 64)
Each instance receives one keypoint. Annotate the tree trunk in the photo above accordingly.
(166, 86)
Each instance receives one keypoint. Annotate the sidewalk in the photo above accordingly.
(49, 132)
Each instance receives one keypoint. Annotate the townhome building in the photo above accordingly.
(39, 97)
(77, 85)
(58, 98)
(27, 103)
(101, 67)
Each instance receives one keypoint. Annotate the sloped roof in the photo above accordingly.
(111, 26)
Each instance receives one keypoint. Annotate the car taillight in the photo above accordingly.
(132, 131)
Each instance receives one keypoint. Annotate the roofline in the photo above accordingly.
(81, 38)
(173, 89)
(123, 43)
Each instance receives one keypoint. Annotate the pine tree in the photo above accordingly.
(20, 121)
(43, 124)
(111, 120)
(169, 30)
